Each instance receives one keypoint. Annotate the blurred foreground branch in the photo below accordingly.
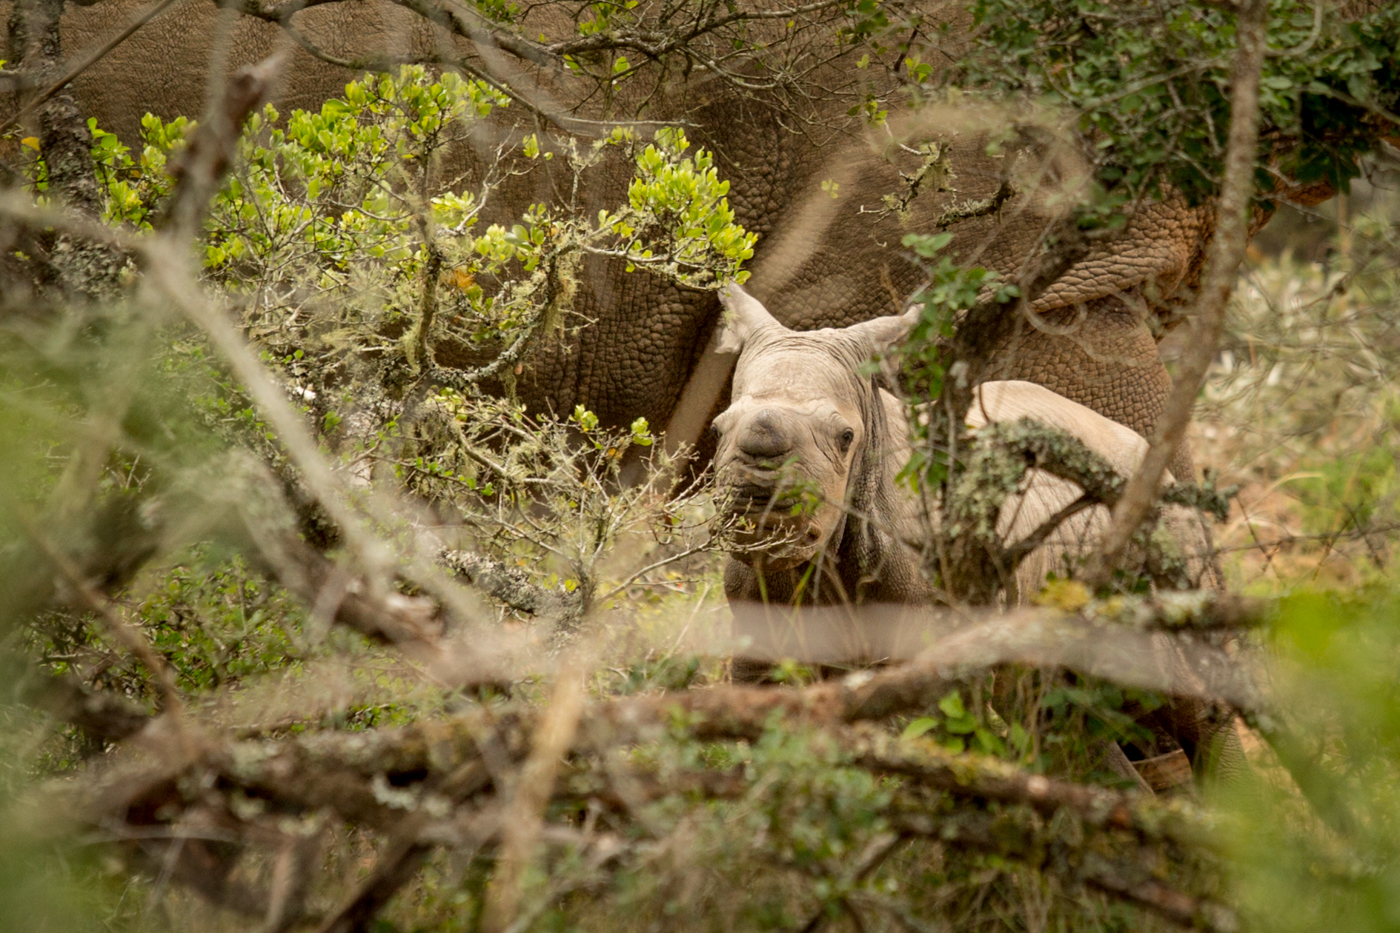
(441, 782)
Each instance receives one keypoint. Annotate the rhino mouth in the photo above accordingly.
(756, 499)
(776, 527)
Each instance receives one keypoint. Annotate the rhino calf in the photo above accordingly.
(808, 454)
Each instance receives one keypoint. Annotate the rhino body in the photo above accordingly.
(810, 448)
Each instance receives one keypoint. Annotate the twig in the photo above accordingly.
(1306, 45)
(1327, 537)
(1194, 912)
(509, 585)
(608, 848)
(1023, 548)
(293, 872)
(402, 855)
(987, 778)
(875, 853)
(169, 268)
(384, 616)
(201, 167)
(1319, 787)
(126, 634)
(982, 207)
(633, 578)
(1373, 109)
(466, 23)
(206, 869)
(1010, 834)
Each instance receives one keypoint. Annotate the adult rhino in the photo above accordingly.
(805, 174)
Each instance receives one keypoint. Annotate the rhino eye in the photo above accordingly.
(847, 438)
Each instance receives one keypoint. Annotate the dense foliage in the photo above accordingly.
(1148, 86)
(430, 660)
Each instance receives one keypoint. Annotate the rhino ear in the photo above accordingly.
(884, 332)
(744, 315)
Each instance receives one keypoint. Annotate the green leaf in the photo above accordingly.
(918, 727)
(925, 245)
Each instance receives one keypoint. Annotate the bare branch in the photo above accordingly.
(1226, 251)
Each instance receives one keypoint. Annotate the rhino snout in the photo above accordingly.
(768, 435)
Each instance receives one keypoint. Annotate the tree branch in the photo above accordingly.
(509, 585)
(534, 787)
(201, 167)
(1226, 251)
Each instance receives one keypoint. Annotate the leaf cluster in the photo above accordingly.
(1146, 87)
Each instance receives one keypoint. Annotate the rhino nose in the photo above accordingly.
(764, 436)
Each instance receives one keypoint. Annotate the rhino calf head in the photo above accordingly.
(803, 432)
